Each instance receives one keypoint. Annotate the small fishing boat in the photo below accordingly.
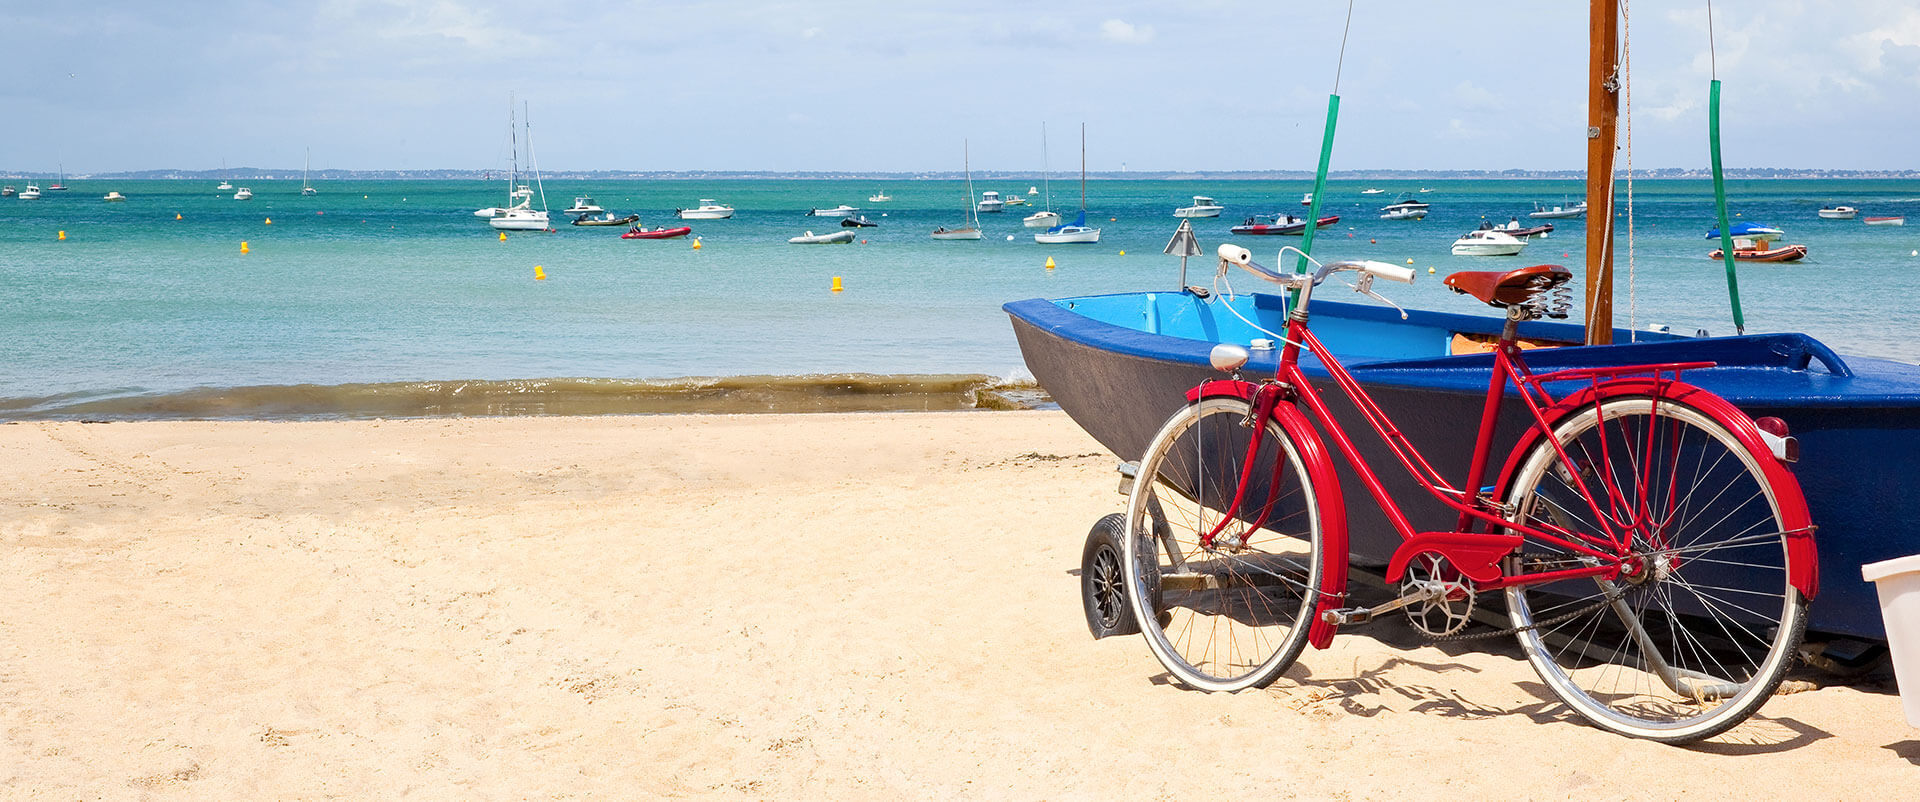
(1396, 213)
(32, 192)
(656, 233)
(8, 191)
(1203, 206)
(857, 221)
(1307, 199)
(1372, 191)
(810, 238)
(879, 197)
(243, 194)
(606, 220)
(709, 209)
(1872, 221)
(990, 202)
(114, 197)
(1488, 242)
(838, 211)
(1752, 231)
(1838, 212)
(1260, 224)
(1751, 253)
(1014, 199)
(583, 205)
(1514, 229)
(1559, 210)
(224, 185)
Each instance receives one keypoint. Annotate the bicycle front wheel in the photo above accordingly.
(1222, 576)
(1701, 624)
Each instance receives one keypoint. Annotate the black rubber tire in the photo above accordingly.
(1103, 587)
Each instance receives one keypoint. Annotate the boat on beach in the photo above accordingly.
(1751, 251)
(1284, 224)
(638, 232)
(1872, 221)
(810, 238)
(709, 209)
(1837, 212)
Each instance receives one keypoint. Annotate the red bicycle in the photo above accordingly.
(1653, 549)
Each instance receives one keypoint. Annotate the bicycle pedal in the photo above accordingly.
(1348, 616)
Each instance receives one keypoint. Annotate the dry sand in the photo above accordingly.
(837, 606)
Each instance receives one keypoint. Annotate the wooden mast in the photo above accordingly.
(1603, 108)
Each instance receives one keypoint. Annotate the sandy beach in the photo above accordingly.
(793, 606)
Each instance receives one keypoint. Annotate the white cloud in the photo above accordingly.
(812, 32)
(1124, 32)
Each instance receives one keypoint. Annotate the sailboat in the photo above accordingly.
(1849, 415)
(224, 183)
(521, 216)
(1076, 232)
(972, 229)
(59, 184)
(306, 188)
(1048, 218)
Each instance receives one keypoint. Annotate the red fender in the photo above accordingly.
(1803, 569)
(1327, 495)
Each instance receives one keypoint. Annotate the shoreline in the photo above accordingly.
(806, 393)
(758, 606)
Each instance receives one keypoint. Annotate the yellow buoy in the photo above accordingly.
(63, 236)
(1123, 253)
(503, 236)
(1429, 271)
(1049, 263)
(836, 284)
(176, 215)
(243, 246)
(539, 273)
(696, 243)
(1409, 261)
(269, 221)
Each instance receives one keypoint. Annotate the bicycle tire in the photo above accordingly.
(1236, 614)
(1703, 622)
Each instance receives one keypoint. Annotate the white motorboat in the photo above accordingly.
(879, 197)
(1203, 206)
(810, 238)
(1488, 242)
(583, 205)
(8, 191)
(972, 229)
(1373, 191)
(1424, 190)
(1404, 213)
(224, 185)
(114, 197)
(842, 210)
(1307, 199)
(990, 202)
(32, 192)
(1015, 199)
(243, 194)
(1041, 220)
(1076, 232)
(1872, 221)
(1838, 212)
(520, 214)
(709, 209)
(1541, 211)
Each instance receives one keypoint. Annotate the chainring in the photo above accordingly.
(1447, 614)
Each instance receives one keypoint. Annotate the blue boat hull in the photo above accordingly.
(1120, 364)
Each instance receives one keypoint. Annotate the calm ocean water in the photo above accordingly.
(392, 298)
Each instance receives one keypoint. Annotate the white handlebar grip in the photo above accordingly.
(1230, 252)
(1404, 275)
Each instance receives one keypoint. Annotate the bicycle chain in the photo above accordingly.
(1606, 599)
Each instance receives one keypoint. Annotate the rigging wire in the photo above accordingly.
(1626, 113)
(1713, 61)
(1342, 62)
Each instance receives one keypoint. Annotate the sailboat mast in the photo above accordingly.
(532, 163)
(966, 163)
(1603, 111)
(513, 150)
(1083, 167)
(1046, 169)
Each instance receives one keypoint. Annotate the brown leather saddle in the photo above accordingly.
(1512, 288)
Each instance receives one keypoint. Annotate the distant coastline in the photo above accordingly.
(286, 174)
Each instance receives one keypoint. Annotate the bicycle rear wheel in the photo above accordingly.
(1224, 592)
(1702, 623)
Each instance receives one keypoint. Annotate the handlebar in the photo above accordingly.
(1231, 254)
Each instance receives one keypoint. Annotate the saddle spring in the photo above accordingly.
(1555, 303)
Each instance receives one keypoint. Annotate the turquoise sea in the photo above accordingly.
(391, 298)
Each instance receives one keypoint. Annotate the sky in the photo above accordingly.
(898, 85)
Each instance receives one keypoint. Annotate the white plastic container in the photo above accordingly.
(1898, 581)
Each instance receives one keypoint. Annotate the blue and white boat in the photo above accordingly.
(1754, 231)
(1075, 232)
(1120, 364)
